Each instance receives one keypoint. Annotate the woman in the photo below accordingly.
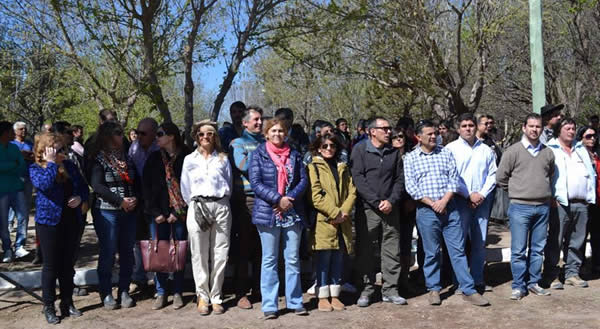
(333, 196)
(61, 191)
(278, 179)
(206, 189)
(589, 138)
(164, 204)
(112, 179)
(132, 135)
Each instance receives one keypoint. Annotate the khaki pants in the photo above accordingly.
(211, 247)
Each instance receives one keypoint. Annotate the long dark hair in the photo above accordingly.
(105, 133)
(171, 129)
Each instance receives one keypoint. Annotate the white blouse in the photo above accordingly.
(208, 177)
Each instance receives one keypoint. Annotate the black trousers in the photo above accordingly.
(245, 244)
(58, 244)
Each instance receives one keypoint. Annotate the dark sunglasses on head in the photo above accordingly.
(207, 134)
(590, 136)
(328, 146)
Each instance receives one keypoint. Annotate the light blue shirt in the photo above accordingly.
(476, 166)
(530, 148)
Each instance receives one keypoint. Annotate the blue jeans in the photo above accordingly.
(116, 233)
(330, 265)
(270, 238)
(474, 223)
(433, 228)
(164, 233)
(16, 201)
(527, 222)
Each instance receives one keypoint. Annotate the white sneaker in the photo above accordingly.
(8, 256)
(311, 290)
(21, 252)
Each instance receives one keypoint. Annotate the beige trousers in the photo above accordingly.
(210, 247)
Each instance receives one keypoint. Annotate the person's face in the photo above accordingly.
(77, 133)
(567, 133)
(276, 135)
(485, 126)
(133, 136)
(343, 126)
(47, 127)
(327, 130)
(254, 123)
(382, 131)
(162, 139)
(236, 115)
(442, 129)
(146, 135)
(466, 130)
(205, 137)
(68, 138)
(117, 141)
(327, 149)
(428, 137)
(398, 141)
(533, 129)
(61, 152)
(589, 138)
(21, 132)
(594, 122)
(554, 118)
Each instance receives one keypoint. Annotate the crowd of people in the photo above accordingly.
(259, 185)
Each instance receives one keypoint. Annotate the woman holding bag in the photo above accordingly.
(206, 188)
(278, 179)
(61, 192)
(164, 206)
(333, 196)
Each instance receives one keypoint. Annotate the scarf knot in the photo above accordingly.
(281, 157)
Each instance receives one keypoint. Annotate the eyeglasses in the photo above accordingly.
(590, 136)
(385, 129)
(207, 134)
(328, 146)
(398, 136)
(160, 133)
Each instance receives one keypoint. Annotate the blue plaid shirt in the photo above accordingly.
(430, 174)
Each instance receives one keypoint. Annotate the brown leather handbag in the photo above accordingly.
(164, 256)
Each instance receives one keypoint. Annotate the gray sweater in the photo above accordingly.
(527, 178)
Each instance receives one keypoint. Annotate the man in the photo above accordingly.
(377, 173)
(138, 153)
(12, 169)
(485, 128)
(233, 131)
(295, 138)
(525, 172)
(574, 186)
(551, 115)
(26, 148)
(476, 166)
(432, 180)
(247, 243)
(342, 132)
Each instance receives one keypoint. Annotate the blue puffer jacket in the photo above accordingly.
(50, 194)
(263, 179)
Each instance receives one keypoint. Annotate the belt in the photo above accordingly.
(577, 201)
(210, 198)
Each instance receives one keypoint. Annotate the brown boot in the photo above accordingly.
(335, 291)
(203, 307)
(324, 305)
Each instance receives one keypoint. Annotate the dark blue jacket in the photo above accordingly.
(49, 201)
(263, 179)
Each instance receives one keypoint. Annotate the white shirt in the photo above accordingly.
(208, 177)
(532, 150)
(476, 166)
(576, 176)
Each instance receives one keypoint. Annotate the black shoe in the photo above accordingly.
(50, 314)
(38, 257)
(69, 310)
(301, 311)
(270, 315)
(109, 302)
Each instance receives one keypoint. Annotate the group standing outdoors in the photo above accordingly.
(259, 188)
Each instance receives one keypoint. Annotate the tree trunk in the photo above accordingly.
(232, 71)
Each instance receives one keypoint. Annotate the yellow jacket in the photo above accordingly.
(330, 200)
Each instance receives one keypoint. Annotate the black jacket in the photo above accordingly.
(154, 184)
(377, 173)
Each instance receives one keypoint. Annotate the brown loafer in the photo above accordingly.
(244, 303)
(476, 299)
(203, 307)
(434, 298)
(218, 309)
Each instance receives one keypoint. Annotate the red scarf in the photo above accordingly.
(281, 157)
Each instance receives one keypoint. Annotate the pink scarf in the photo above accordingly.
(280, 156)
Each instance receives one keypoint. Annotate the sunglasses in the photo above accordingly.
(207, 134)
(386, 129)
(590, 136)
(328, 146)
(160, 133)
(398, 136)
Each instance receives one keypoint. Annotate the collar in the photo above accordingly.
(197, 154)
(255, 136)
(477, 142)
(528, 145)
(371, 148)
(420, 151)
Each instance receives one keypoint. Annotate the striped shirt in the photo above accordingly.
(430, 174)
